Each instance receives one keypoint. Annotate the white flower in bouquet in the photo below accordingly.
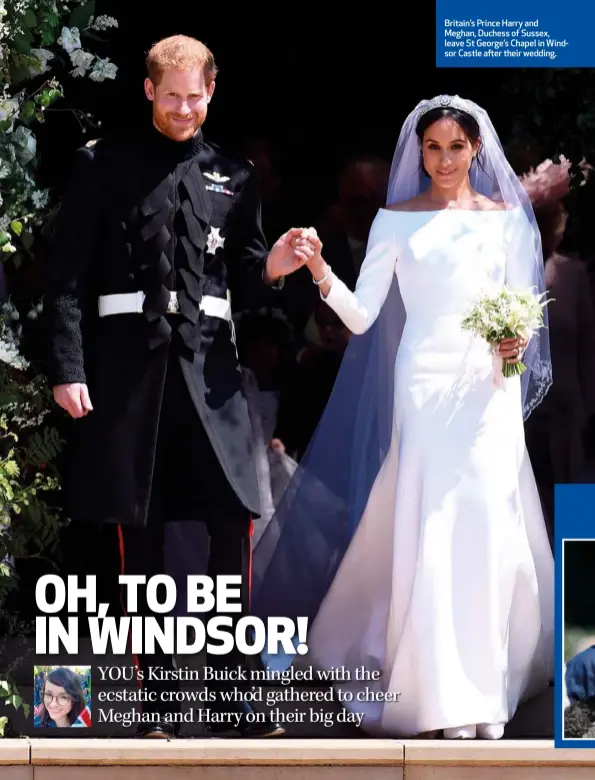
(507, 314)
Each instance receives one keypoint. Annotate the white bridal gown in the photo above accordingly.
(447, 588)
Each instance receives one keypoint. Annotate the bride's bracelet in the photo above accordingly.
(325, 278)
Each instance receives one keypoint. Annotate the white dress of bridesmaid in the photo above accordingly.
(447, 588)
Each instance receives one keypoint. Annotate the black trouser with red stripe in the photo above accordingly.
(188, 483)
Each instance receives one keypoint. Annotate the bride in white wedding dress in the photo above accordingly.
(446, 589)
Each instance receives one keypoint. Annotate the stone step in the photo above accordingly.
(379, 759)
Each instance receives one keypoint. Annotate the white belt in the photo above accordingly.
(132, 303)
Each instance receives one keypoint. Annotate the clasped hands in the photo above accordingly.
(296, 248)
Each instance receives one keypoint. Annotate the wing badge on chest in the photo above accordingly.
(218, 182)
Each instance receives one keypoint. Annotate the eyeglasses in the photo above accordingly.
(62, 698)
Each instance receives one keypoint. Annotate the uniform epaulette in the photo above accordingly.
(92, 143)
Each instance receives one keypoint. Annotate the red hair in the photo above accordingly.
(179, 52)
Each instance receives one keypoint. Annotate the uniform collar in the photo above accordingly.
(176, 151)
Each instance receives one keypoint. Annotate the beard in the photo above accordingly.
(176, 131)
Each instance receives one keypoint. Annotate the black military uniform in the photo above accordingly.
(154, 240)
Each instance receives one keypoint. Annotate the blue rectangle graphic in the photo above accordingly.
(513, 34)
(575, 614)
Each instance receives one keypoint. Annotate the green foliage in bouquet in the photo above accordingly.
(43, 43)
(506, 314)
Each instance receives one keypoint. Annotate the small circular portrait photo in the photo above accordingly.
(62, 697)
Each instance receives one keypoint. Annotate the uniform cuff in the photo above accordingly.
(278, 285)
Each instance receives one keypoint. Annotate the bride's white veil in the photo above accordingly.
(304, 544)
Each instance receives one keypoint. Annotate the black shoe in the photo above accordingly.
(157, 730)
(244, 728)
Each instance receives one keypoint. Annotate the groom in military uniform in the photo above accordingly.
(158, 236)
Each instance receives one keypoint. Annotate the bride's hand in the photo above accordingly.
(307, 245)
(512, 349)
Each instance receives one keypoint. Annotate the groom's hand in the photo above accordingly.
(74, 399)
(284, 258)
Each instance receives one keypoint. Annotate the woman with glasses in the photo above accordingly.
(62, 699)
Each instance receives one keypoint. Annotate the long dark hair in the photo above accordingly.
(468, 124)
(71, 682)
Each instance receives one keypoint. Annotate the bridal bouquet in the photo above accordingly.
(505, 315)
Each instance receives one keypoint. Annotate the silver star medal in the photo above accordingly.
(214, 241)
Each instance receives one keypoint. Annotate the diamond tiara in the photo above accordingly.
(449, 101)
